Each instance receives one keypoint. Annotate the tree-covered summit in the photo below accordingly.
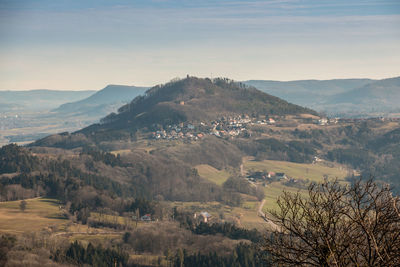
(190, 100)
(196, 99)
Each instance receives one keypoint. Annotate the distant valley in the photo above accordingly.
(28, 115)
(100, 103)
(37, 100)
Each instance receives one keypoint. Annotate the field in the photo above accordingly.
(115, 219)
(313, 172)
(44, 213)
(212, 174)
(274, 190)
(40, 213)
(245, 216)
(300, 171)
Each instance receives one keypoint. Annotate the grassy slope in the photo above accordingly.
(313, 172)
(39, 213)
(273, 191)
(301, 171)
(244, 216)
(212, 174)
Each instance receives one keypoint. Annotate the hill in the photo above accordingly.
(194, 100)
(102, 102)
(340, 97)
(307, 92)
(378, 96)
(191, 100)
(33, 114)
(41, 99)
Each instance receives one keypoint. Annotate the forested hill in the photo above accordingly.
(190, 100)
(194, 99)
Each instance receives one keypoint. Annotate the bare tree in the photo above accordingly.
(22, 205)
(337, 225)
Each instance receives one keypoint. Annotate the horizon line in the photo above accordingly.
(148, 86)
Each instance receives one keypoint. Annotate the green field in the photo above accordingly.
(212, 174)
(115, 219)
(40, 213)
(245, 216)
(313, 172)
(274, 190)
(301, 171)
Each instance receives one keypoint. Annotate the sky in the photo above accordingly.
(85, 45)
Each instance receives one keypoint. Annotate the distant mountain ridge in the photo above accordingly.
(102, 102)
(39, 99)
(345, 97)
(309, 93)
(382, 92)
(24, 112)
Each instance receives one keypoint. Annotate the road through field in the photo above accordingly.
(273, 225)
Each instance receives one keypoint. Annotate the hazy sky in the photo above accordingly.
(76, 44)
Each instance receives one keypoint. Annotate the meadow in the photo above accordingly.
(313, 171)
(39, 213)
(212, 174)
(301, 171)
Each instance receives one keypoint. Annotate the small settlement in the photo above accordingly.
(231, 127)
(223, 127)
(266, 177)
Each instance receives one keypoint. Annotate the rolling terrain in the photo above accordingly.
(184, 149)
(340, 97)
(30, 115)
(307, 92)
(378, 96)
(100, 103)
(191, 100)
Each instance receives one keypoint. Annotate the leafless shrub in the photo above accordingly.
(337, 225)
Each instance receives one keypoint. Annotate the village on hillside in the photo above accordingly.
(223, 127)
(236, 126)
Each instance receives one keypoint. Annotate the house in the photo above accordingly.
(204, 216)
(258, 175)
(233, 133)
(323, 121)
(317, 159)
(146, 218)
(271, 121)
(334, 120)
(216, 133)
(280, 175)
(271, 174)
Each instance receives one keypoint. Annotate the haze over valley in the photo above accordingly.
(199, 133)
(28, 115)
